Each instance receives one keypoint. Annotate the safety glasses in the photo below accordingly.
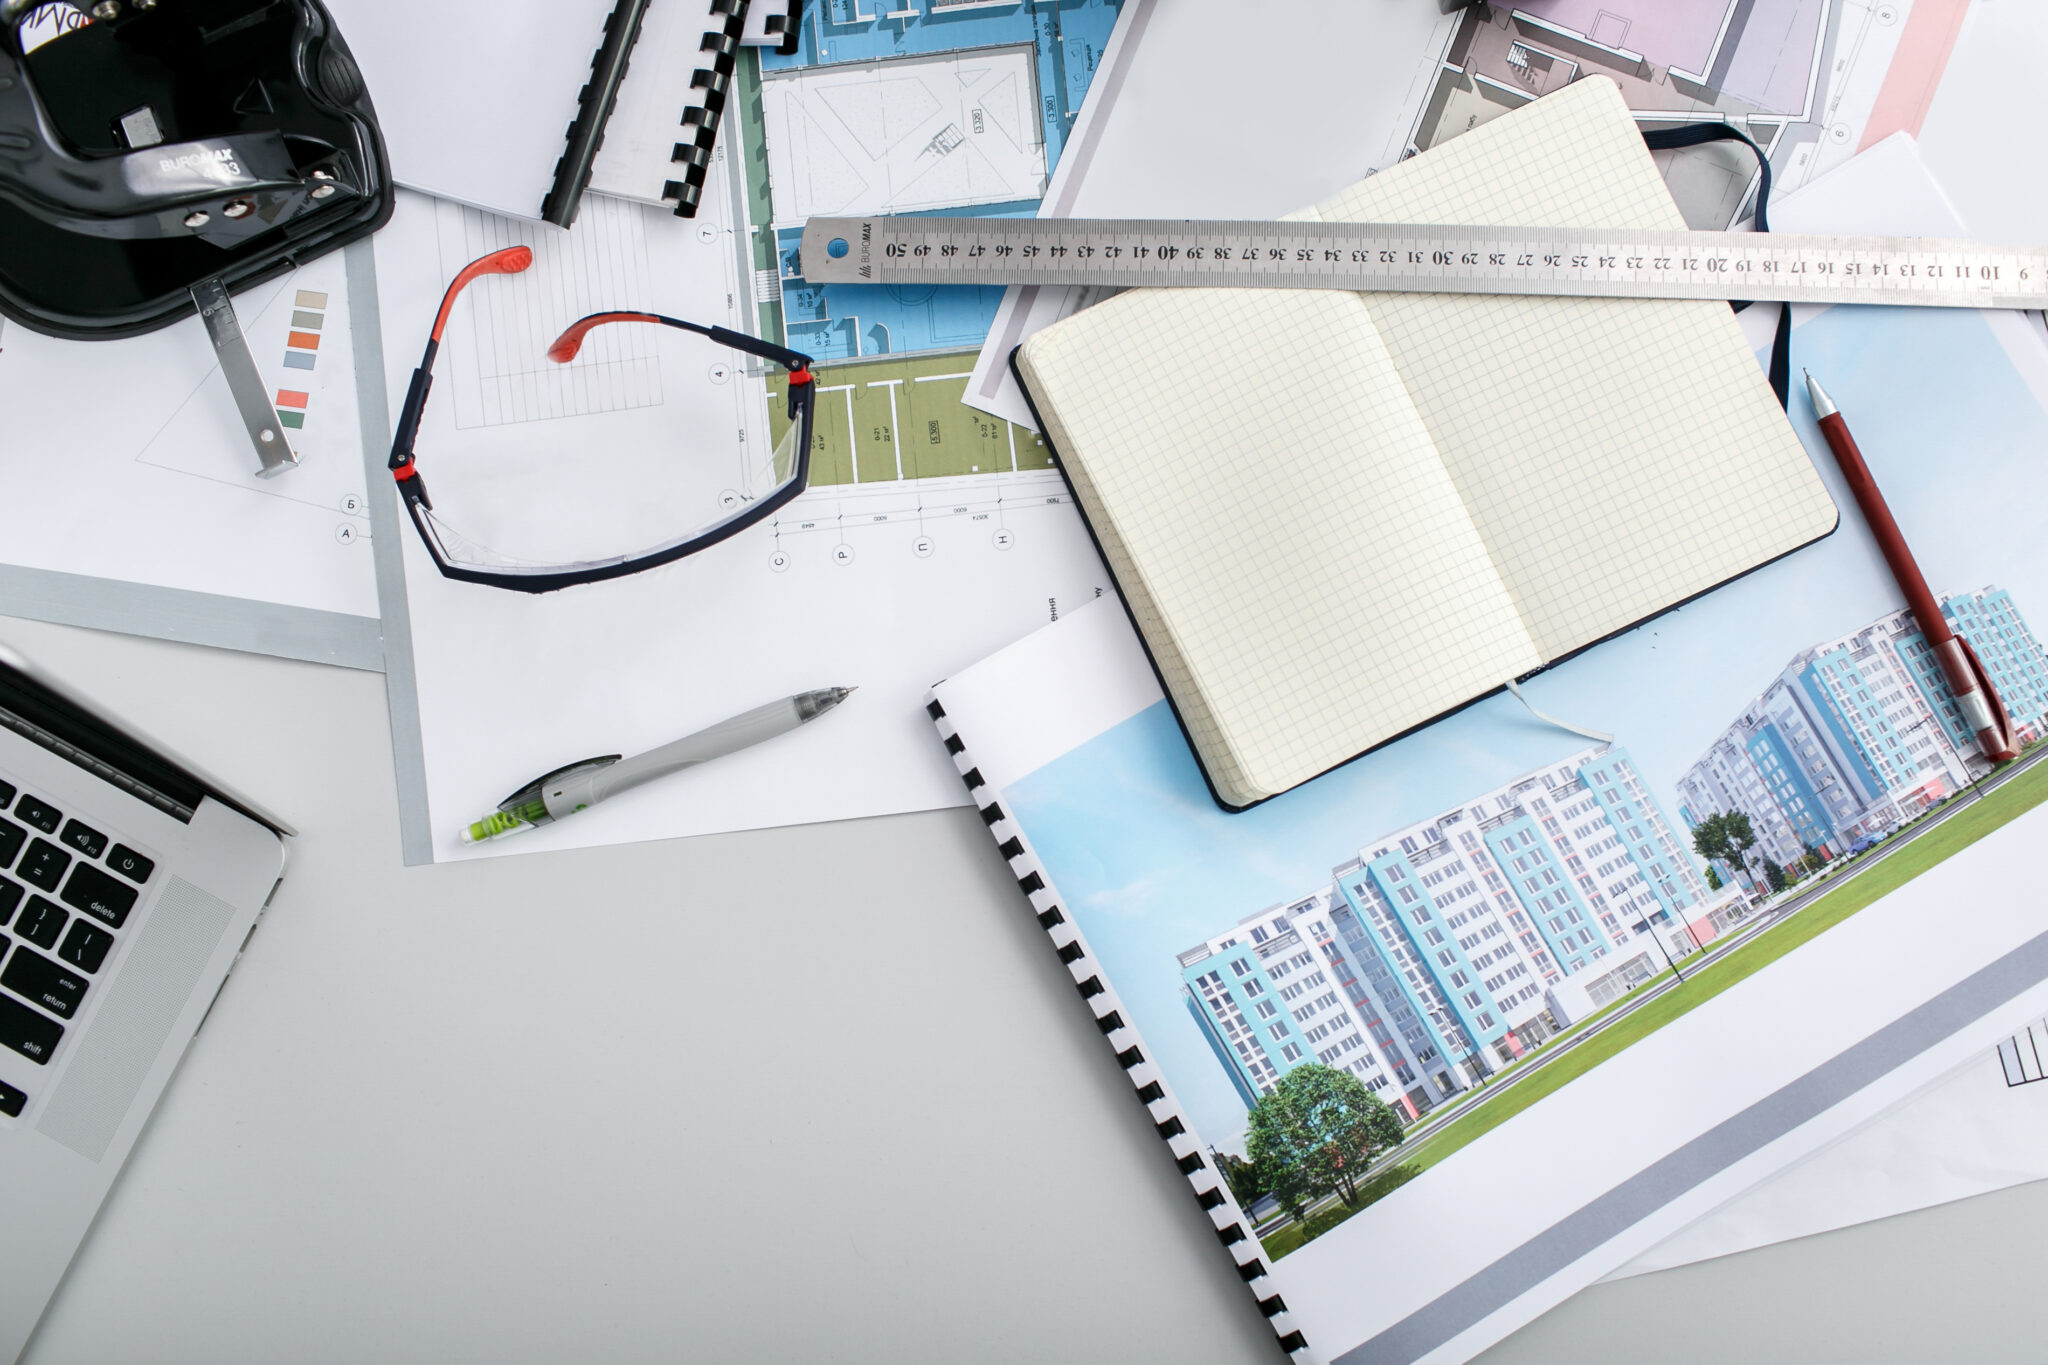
(592, 514)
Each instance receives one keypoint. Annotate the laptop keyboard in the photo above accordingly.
(66, 890)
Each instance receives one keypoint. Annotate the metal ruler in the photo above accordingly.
(1427, 259)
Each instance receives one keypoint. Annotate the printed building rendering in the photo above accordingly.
(1859, 734)
(1450, 947)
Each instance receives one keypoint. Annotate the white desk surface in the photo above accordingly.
(813, 1094)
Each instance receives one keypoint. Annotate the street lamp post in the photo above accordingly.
(1664, 912)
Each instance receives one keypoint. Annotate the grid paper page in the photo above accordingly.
(1618, 455)
(1301, 565)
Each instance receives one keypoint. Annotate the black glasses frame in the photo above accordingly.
(413, 489)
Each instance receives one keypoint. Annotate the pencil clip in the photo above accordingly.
(532, 791)
(2008, 741)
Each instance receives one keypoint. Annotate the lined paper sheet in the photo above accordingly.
(1618, 455)
(1301, 564)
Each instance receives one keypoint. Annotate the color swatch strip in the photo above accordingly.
(302, 350)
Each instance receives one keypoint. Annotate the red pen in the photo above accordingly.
(1978, 700)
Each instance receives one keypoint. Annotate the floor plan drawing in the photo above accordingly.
(926, 106)
(1811, 81)
(891, 419)
(946, 131)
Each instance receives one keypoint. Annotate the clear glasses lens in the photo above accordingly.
(530, 506)
(782, 466)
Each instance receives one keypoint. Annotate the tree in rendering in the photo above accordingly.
(1246, 1182)
(1774, 875)
(1726, 836)
(1315, 1134)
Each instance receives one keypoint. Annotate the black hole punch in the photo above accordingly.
(972, 777)
(1171, 1129)
(1210, 1198)
(934, 710)
(1012, 847)
(1090, 988)
(1190, 1163)
(1048, 918)
(1072, 953)
(1274, 1306)
(1108, 1023)
(1231, 1235)
(1251, 1270)
(97, 246)
(1129, 1058)
(1151, 1092)
(954, 744)
(1292, 1342)
(991, 813)
(1031, 882)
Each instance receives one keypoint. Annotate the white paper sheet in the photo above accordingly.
(132, 498)
(1968, 1135)
(475, 100)
(881, 586)
(1981, 129)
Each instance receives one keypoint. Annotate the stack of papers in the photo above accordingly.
(937, 531)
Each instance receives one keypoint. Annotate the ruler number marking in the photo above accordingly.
(1707, 265)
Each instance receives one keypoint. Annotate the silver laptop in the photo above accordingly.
(129, 883)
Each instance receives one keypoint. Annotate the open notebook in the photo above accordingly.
(1337, 516)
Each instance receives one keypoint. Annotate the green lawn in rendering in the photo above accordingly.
(1959, 831)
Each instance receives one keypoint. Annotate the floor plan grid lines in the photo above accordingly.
(506, 326)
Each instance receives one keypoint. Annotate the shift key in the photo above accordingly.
(27, 1032)
(99, 895)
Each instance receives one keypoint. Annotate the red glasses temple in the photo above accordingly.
(510, 261)
(564, 348)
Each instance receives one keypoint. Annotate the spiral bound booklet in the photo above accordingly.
(1442, 1036)
(517, 108)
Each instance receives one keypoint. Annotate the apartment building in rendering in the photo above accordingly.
(1428, 960)
(1859, 734)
